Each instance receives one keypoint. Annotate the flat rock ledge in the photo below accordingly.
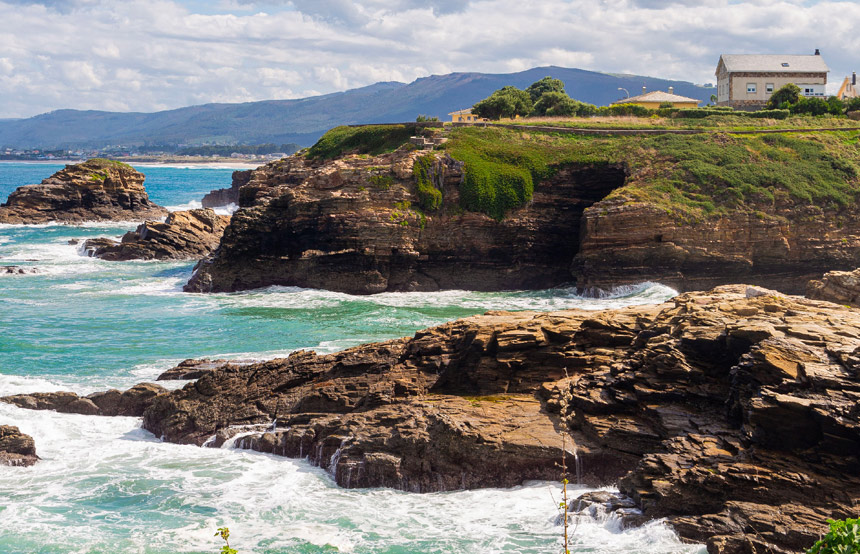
(132, 402)
(16, 448)
(184, 235)
(194, 369)
(96, 190)
(841, 287)
(734, 413)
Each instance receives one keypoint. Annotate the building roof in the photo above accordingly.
(656, 96)
(773, 63)
(462, 112)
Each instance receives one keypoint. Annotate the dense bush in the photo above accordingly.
(368, 139)
(429, 197)
(788, 94)
(843, 538)
(556, 104)
(545, 85)
(505, 102)
(767, 114)
(624, 109)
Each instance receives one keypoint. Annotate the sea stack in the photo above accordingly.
(96, 190)
(16, 448)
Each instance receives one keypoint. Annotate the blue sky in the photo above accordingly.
(148, 55)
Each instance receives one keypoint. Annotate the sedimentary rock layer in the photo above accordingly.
(96, 190)
(184, 235)
(224, 197)
(841, 287)
(16, 448)
(353, 225)
(732, 413)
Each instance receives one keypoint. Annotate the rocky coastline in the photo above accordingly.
(731, 413)
(184, 235)
(96, 190)
(16, 448)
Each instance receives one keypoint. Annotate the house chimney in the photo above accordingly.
(643, 89)
(817, 52)
(671, 90)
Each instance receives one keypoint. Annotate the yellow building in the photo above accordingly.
(653, 100)
(848, 88)
(464, 116)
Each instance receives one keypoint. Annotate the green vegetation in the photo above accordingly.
(370, 139)
(843, 538)
(382, 182)
(545, 85)
(224, 533)
(506, 102)
(429, 197)
(106, 163)
(425, 118)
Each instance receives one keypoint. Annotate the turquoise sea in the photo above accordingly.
(105, 485)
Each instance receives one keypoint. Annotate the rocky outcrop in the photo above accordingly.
(17, 270)
(841, 287)
(96, 190)
(625, 241)
(195, 369)
(733, 413)
(132, 402)
(352, 225)
(224, 197)
(184, 235)
(16, 448)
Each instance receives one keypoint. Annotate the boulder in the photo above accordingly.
(17, 270)
(183, 235)
(841, 287)
(96, 190)
(16, 448)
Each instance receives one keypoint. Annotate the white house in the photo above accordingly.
(747, 81)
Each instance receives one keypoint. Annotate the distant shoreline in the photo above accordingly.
(220, 164)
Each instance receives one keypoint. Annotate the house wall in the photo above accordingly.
(732, 87)
(656, 105)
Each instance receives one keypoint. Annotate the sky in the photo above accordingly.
(151, 55)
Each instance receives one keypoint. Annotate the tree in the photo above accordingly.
(505, 102)
(547, 84)
(713, 99)
(555, 104)
(789, 94)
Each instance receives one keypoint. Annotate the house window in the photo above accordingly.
(768, 88)
(750, 88)
(808, 91)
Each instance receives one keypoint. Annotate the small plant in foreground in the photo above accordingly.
(224, 533)
(843, 538)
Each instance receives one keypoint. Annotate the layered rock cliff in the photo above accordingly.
(732, 413)
(841, 287)
(96, 190)
(629, 242)
(224, 197)
(355, 225)
(184, 235)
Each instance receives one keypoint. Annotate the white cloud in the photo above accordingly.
(146, 55)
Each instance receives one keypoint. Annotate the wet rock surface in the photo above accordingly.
(132, 402)
(17, 270)
(352, 225)
(195, 369)
(841, 287)
(96, 190)
(184, 235)
(731, 413)
(16, 448)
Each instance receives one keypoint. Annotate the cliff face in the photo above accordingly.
(630, 242)
(96, 190)
(732, 413)
(225, 197)
(183, 235)
(352, 225)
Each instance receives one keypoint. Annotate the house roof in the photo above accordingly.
(773, 63)
(462, 112)
(656, 96)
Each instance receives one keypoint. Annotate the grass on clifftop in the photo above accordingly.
(372, 140)
(689, 175)
(104, 162)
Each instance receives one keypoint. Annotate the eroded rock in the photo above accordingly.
(841, 287)
(183, 235)
(16, 448)
(131, 402)
(96, 190)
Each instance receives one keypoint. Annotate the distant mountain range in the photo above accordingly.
(304, 120)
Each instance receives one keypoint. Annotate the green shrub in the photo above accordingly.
(843, 538)
(382, 182)
(545, 85)
(367, 139)
(425, 119)
(788, 94)
(429, 197)
(767, 114)
(505, 102)
(624, 109)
